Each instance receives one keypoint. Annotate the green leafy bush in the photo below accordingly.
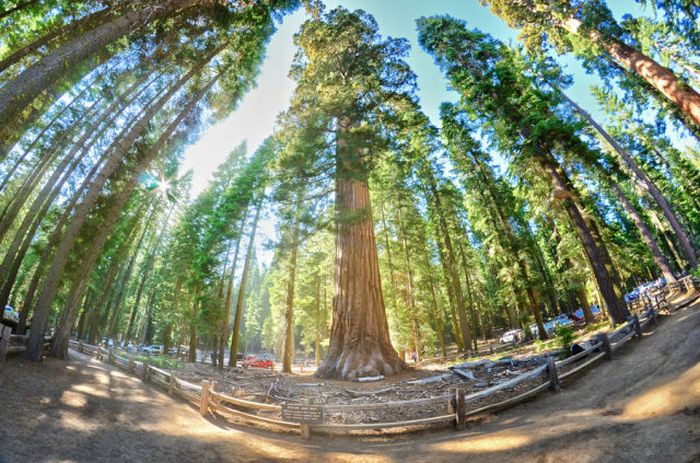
(564, 336)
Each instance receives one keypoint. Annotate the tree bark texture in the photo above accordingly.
(593, 253)
(656, 75)
(359, 343)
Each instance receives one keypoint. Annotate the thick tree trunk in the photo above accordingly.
(595, 259)
(656, 75)
(360, 344)
(235, 336)
(659, 198)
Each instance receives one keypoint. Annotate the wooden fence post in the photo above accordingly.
(144, 373)
(132, 365)
(4, 341)
(80, 346)
(456, 406)
(651, 315)
(304, 428)
(171, 383)
(110, 358)
(603, 338)
(553, 376)
(636, 326)
(204, 403)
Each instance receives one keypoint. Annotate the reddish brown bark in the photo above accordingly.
(359, 344)
(658, 76)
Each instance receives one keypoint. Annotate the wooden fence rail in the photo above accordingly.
(457, 409)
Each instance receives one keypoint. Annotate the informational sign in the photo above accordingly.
(301, 413)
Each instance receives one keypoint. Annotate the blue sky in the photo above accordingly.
(254, 120)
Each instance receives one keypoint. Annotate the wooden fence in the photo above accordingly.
(458, 405)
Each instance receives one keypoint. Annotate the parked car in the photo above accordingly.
(512, 336)
(254, 362)
(579, 316)
(153, 350)
(562, 320)
(10, 314)
(631, 296)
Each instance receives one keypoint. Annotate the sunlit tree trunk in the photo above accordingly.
(656, 75)
(360, 344)
(593, 253)
(236, 334)
(659, 198)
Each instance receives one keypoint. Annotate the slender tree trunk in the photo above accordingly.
(512, 240)
(21, 91)
(18, 7)
(288, 352)
(659, 198)
(317, 332)
(595, 259)
(417, 344)
(360, 344)
(229, 295)
(656, 75)
(451, 274)
(648, 238)
(59, 345)
(235, 336)
(57, 267)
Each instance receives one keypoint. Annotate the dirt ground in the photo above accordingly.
(644, 405)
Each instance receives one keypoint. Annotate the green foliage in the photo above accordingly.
(564, 337)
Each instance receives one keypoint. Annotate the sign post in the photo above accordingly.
(303, 413)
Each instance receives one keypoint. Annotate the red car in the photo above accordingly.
(252, 362)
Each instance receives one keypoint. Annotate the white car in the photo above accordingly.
(153, 349)
(512, 336)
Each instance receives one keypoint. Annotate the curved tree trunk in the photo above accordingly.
(648, 238)
(21, 91)
(93, 19)
(659, 198)
(656, 75)
(24, 235)
(359, 344)
(117, 153)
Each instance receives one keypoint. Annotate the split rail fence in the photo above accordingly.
(458, 405)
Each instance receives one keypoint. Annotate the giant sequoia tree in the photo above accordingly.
(347, 76)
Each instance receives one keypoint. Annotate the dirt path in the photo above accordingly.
(644, 405)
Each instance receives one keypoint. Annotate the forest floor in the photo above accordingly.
(644, 405)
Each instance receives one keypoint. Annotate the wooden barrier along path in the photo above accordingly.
(458, 405)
